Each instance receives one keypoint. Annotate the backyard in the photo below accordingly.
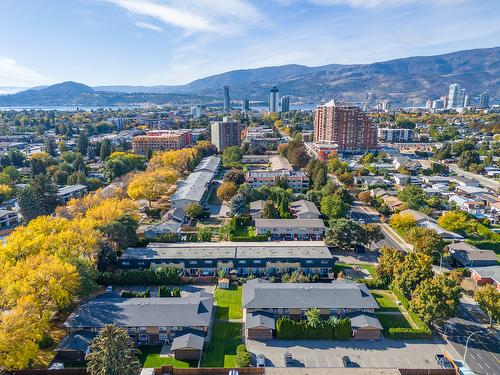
(221, 351)
(150, 358)
(228, 303)
(390, 314)
(370, 268)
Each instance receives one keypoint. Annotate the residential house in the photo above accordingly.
(468, 255)
(470, 191)
(256, 209)
(303, 209)
(464, 181)
(8, 219)
(393, 203)
(401, 179)
(486, 275)
(263, 301)
(246, 258)
(426, 221)
(66, 193)
(291, 229)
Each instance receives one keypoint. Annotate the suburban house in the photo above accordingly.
(291, 229)
(8, 219)
(66, 193)
(463, 181)
(470, 256)
(246, 258)
(188, 345)
(393, 203)
(401, 179)
(264, 302)
(147, 320)
(195, 186)
(426, 221)
(256, 208)
(486, 275)
(171, 222)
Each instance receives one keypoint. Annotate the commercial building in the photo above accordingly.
(247, 258)
(291, 229)
(246, 105)
(484, 100)
(274, 99)
(161, 140)
(227, 99)
(226, 133)
(285, 103)
(293, 300)
(343, 128)
(395, 135)
(195, 186)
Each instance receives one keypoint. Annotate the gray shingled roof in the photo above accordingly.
(188, 340)
(78, 341)
(363, 320)
(260, 319)
(260, 294)
(210, 163)
(192, 311)
(467, 252)
(302, 206)
(289, 223)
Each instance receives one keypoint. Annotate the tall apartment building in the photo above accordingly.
(227, 99)
(226, 133)
(274, 99)
(395, 135)
(285, 103)
(456, 96)
(344, 128)
(161, 140)
(484, 100)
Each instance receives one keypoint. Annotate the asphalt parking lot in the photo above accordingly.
(364, 354)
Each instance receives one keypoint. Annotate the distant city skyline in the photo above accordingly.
(152, 42)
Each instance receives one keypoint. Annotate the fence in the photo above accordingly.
(430, 371)
(207, 371)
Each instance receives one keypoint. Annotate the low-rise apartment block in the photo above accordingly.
(161, 140)
(291, 229)
(247, 258)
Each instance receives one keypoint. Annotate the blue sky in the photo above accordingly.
(148, 42)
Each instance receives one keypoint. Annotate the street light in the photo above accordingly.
(440, 260)
(467, 344)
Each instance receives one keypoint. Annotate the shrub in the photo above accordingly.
(241, 349)
(243, 359)
(176, 292)
(408, 333)
(140, 277)
(259, 238)
(130, 294)
(406, 304)
(375, 283)
(287, 329)
(46, 342)
(343, 329)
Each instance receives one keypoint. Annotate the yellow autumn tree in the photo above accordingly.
(20, 331)
(180, 160)
(5, 192)
(152, 185)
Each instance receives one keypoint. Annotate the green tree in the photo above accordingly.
(238, 205)
(488, 298)
(425, 240)
(313, 317)
(231, 156)
(468, 158)
(269, 211)
(82, 144)
(38, 198)
(113, 352)
(235, 175)
(344, 233)
(50, 146)
(413, 196)
(436, 299)
(372, 233)
(121, 233)
(387, 262)
(194, 211)
(204, 234)
(333, 206)
(105, 150)
(412, 271)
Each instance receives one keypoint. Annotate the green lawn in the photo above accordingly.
(150, 358)
(228, 303)
(393, 321)
(221, 351)
(385, 299)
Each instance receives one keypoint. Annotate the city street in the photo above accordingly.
(483, 353)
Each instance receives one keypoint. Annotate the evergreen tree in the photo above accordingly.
(83, 143)
(105, 150)
(113, 352)
(38, 198)
(270, 211)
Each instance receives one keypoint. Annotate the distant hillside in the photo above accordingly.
(77, 94)
(403, 81)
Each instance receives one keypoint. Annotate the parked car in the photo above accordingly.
(261, 360)
(362, 221)
(287, 359)
(346, 361)
(109, 289)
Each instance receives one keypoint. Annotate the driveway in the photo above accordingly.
(366, 354)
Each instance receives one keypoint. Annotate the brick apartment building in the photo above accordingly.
(161, 140)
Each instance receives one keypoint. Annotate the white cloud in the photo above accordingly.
(213, 16)
(14, 74)
(148, 26)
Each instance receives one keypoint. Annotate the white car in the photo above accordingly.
(362, 221)
(261, 360)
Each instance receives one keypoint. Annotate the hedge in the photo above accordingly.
(424, 331)
(258, 238)
(375, 283)
(288, 329)
(161, 276)
(408, 333)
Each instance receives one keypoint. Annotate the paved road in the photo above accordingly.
(488, 182)
(483, 353)
(360, 211)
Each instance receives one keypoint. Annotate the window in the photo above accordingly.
(309, 261)
(242, 262)
(125, 263)
(143, 337)
(257, 261)
(192, 262)
(208, 262)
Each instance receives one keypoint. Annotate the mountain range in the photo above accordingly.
(405, 81)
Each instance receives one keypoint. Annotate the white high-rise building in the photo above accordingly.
(274, 99)
(456, 96)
